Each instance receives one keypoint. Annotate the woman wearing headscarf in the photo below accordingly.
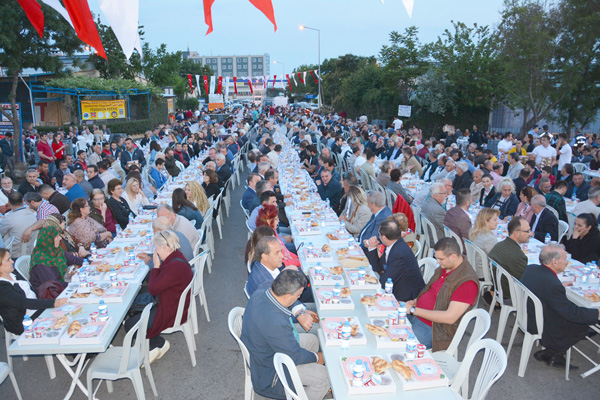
(48, 261)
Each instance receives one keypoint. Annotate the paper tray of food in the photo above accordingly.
(369, 283)
(389, 336)
(338, 238)
(379, 305)
(92, 295)
(308, 231)
(329, 277)
(589, 295)
(332, 330)
(419, 373)
(68, 309)
(45, 331)
(376, 379)
(317, 255)
(326, 301)
(85, 331)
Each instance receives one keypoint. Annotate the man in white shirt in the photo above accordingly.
(564, 150)
(505, 144)
(591, 204)
(397, 123)
(545, 154)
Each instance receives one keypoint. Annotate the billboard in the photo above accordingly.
(404, 111)
(102, 109)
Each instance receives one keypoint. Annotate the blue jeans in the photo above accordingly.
(422, 331)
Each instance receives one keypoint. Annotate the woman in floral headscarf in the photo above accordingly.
(67, 243)
(48, 261)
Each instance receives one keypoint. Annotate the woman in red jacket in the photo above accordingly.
(168, 279)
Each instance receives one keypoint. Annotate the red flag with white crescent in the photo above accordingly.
(235, 84)
(205, 78)
(34, 13)
(274, 80)
(208, 16)
(315, 78)
(300, 77)
(190, 82)
(250, 84)
(220, 85)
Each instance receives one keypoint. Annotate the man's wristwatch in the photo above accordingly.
(302, 312)
(412, 310)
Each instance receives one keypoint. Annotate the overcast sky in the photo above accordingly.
(359, 27)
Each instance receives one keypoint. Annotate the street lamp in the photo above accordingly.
(303, 27)
(282, 70)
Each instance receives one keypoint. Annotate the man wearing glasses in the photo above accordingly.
(508, 252)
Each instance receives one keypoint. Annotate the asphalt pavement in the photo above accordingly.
(219, 373)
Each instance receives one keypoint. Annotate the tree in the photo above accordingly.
(21, 47)
(435, 93)
(578, 58)
(299, 92)
(117, 65)
(528, 36)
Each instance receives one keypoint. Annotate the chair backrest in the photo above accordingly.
(553, 211)
(417, 252)
(365, 181)
(249, 266)
(182, 299)
(476, 255)
(449, 233)
(390, 197)
(280, 360)
(429, 231)
(234, 321)
(198, 246)
(8, 243)
(580, 167)
(427, 265)
(492, 367)
(22, 266)
(523, 296)
(246, 213)
(246, 290)
(480, 328)
(501, 274)
(198, 263)
(139, 332)
(563, 228)
(248, 226)
(180, 165)
(417, 213)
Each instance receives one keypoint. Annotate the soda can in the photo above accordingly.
(421, 350)
(94, 316)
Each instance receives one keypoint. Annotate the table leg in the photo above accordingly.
(80, 361)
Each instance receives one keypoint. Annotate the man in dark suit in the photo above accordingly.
(463, 178)
(579, 187)
(521, 181)
(397, 262)
(432, 167)
(565, 324)
(376, 203)
(457, 218)
(250, 194)
(329, 188)
(131, 154)
(543, 221)
(223, 170)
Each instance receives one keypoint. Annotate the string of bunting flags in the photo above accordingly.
(222, 84)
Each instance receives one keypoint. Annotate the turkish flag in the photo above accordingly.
(205, 78)
(266, 6)
(250, 84)
(208, 16)
(220, 85)
(84, 25)
(274, 80)
(300, 77)
(288, 79)
(313, 75)
(235, 84)
(190, 82)
(33, 10)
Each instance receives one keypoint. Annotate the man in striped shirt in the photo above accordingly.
(42, 208)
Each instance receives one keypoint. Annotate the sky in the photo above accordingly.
(359, 27)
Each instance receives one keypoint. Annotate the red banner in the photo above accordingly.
(84, 24)
(274, 79)
(235, 84)
(205, 78)
(266, 6)
(250, 84)
(288, 79)
(190, 82)
(300, 77)
(219, 85)
(313, 75)
(208, 16)
(33, 10)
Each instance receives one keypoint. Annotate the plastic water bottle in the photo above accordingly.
(574, 198)
(119, 231)
(319, 272)
(402, 314)
(362, 274)
(389, 286)
(547, 239)
(27, 323)
(102, 311)
(93, 250)
(140, 209)
(411, 347)
(131, 256)
(358, 372)
(112, 276)
(130, 218)
(337, 291)
(56, 186)
(346, 334)
(83, 282)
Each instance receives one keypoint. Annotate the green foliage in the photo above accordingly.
(132, 128)
(121, 86)
(117, 65)
(435, 93)
(191, 103)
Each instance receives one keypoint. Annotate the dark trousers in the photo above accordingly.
(156, 341)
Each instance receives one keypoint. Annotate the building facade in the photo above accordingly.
(239, 66)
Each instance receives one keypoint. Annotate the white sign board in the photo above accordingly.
(404, 111)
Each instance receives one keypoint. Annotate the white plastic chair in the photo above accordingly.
(246, 290)
(186, 327)
(218, 205)
(505, 309)
(563, 228)
(249, 266)
(22, 266)
(180, 165)
(448, 359)
(522, 297)
(226, 197)
(198, 292)
(250, 230)
(476, 255)
(280, 360)
(234, 321)
(207, 235)
(417, 252)
(449, 233)
(6, 371)
(125, 362)
(492, 367)
(9, 338)
(428, 265)
(550, 208)
(390, 197)
(8, 243)
(246, 213)
(580, 167)
(430, 234)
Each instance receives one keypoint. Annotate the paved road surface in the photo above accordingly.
(219, 375)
